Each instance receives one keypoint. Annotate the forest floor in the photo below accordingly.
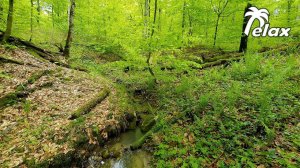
(216, 108)
(37, 102)
(209, 108)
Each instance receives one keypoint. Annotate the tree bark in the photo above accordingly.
(244, 37)
(9, 21)
(31, 20)
(71, 29)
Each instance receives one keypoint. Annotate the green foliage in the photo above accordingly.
(236, 115)
(121, 24)
(241, 116)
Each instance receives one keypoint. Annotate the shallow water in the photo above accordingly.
(126, 159)
(130, 159)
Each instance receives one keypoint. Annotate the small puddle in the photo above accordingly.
(124, 159)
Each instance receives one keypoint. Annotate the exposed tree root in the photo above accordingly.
(50, 56)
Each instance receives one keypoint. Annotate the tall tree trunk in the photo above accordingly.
(146, 18)
(154, 18)
(53, 21)
(289, 12)
(1, 12)
(53, 16)
(31, 20)
(159, 19)
(183, 22)
(152, 34)
(71, 29)
(190, 27)
(38, 10)
(244, 38)
(216, 30)
(9, 21)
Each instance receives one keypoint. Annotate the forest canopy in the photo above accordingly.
(178, 23)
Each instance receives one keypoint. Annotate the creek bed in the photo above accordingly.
(120, 155)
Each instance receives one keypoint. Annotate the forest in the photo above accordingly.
(149, 83)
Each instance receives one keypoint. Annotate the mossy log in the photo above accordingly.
(22, 90)
(8, 60)
(220, 62)
(294, 47)
(148, 121)
(137, 144)
(223, 57)
(86, 108)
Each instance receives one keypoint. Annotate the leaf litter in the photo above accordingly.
(38, 127)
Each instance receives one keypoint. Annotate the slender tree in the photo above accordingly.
(31, 20)
(150, 41)
(218, 10)
(289, 7)
(1, 12)
(244, 38)
(38, 10)
(71, 29)
(159, 19)
(9, 21)
(53, 21)
(183, 22)
(190, 26)
(146, 18)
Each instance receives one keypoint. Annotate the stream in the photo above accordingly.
(120, 158)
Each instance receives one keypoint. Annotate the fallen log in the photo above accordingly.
(137, 144)
(8, 60)
(220, 62)
(86, 108)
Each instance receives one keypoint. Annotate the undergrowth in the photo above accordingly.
(243, 116)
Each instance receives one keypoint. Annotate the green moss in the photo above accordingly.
(9, 99)
(148, 121)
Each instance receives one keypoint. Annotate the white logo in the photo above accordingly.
(264, 29)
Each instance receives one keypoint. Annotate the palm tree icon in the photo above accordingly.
(261, 14)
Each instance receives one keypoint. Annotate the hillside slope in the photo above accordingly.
(38, 102)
